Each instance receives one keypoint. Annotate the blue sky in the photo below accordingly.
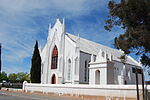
(22, 22)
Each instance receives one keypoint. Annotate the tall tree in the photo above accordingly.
(3, 77)
(36, 65)
(134, 17)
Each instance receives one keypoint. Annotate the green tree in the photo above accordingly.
(12, 77)
(27, 77)
(21, 77)
(134, 17)
(36, 65)
(3, 76)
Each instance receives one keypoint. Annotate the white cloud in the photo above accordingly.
(24, 21)
(74, 7)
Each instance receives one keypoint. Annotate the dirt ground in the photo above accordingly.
(73, 97)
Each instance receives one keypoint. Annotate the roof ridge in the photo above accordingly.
(94, 42)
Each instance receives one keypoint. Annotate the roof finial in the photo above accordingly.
(63, 21)
(78, 35)
(50, 26)
(78, 38)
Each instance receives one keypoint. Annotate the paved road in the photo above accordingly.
(4, 95)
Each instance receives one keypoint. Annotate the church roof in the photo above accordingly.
(94, 48)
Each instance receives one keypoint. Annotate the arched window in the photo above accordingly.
(103, 54)
(85, 71)
(88, 70)
(54, 58)
(107, 57)
(76, 67)
(53, 81)
(111, 57)
(97, 77)
(69, 69)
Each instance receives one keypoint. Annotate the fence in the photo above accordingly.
(12, 85)
(127, 91)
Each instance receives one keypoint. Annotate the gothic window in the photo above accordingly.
(94, 58)
(69, 69)
(103, 54)
(53, 81)
(97, 77)
(85, 71)
(54, 58)
(76, 66)
(88, 70)
(107, 57)
(111, 57)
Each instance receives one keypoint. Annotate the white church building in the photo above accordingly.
(70, 59)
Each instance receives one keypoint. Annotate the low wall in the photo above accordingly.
(128, 91)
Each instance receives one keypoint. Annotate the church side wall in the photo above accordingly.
(85, 58)
(70, 56)
(130, 76)
(118, 67)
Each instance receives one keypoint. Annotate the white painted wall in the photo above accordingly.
(112, 72)
(103, 73)
(93, 90)
(70, 53)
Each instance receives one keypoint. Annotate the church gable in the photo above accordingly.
(57, 30)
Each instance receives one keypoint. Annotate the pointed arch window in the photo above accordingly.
(76, 67)
(88, 70)
(85, 71)
(103, 54)
(69, 69)
(54, 58)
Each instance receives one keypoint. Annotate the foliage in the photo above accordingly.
(3, 76)
(36, 65)
(21, 77)
(134, 17)
(18, 77)
(12, 77)
(27, 78)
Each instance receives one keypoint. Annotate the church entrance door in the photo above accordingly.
(53, 79)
